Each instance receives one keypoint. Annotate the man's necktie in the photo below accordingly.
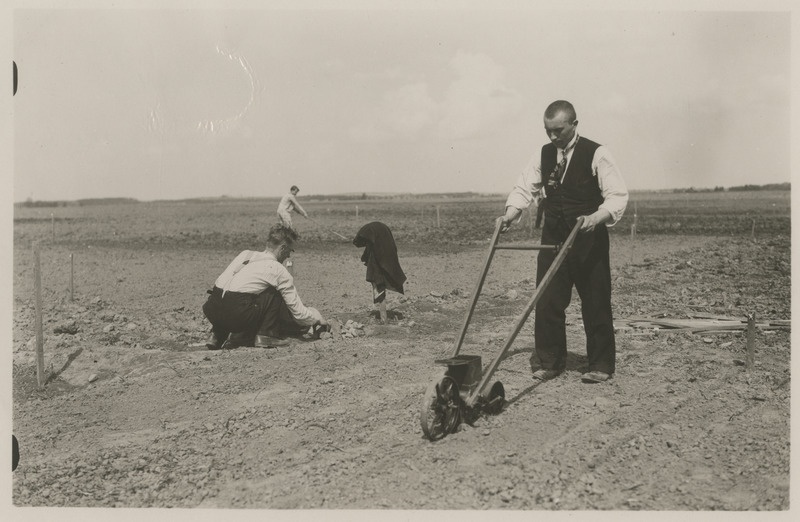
(558, 172)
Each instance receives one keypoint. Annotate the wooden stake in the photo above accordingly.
(71, 277)
(633, 231)
(37, 276)
(530, 221)
(437, 216)
(381, 305)
(751, 341)
(356, 211)
(53, 223)
(382, 311)
(753, 232)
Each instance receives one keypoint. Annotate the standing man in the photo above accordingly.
(572, 177)
(287, 204)
(255, 301)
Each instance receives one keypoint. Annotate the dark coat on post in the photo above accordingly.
(380, 256)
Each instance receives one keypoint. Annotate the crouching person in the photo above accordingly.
(254, 301)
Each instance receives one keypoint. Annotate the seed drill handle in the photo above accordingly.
(559, 259)
(477, 291)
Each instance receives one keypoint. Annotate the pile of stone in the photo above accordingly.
(339, 331)
(352, 329)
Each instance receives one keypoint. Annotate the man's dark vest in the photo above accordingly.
(579, 194)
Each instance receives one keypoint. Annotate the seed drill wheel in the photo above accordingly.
(441, 409)
(496, 399)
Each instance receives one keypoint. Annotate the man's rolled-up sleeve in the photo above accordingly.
(612, 186)
(304, 315)
(528, 188)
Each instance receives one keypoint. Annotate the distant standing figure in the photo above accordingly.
(383, 267)
(287, 205)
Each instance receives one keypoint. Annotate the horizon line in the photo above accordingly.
(367, 195)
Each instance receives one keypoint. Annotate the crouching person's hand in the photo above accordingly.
(320, 328)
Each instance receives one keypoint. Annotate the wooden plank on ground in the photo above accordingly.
(706, 325)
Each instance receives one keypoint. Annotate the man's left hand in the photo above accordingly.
(591, 221)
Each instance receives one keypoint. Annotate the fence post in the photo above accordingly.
(751, 341)
(633, 232)
(437, 216)
(37, 283)
(530, 221)
(71, 276)
(53, 225)
(753, 231)
(356, 211)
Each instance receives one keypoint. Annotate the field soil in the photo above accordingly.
(137, 413)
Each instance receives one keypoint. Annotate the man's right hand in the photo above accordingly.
(511, 214)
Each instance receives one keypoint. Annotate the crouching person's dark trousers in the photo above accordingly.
(249, 314)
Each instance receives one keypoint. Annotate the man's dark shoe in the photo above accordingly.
(236, 340)
(213, 342)
(545, 375)
(265, 341)
(595, 377)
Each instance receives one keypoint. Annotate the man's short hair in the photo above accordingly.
(294, 187)
(560, 106)
(281, 234)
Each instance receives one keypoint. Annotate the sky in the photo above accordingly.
(164, 103)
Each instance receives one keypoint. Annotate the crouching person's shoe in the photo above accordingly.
(236, 340)
(214, 342)
(265, 341)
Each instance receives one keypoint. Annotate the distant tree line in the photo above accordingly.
(692, 190)
(403, 195)
(30, 203)
(740, 188)
(771, 186)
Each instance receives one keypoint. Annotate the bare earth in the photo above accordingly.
(138, 414)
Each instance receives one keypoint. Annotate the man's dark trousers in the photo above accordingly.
(586, 267)
(249, 314)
